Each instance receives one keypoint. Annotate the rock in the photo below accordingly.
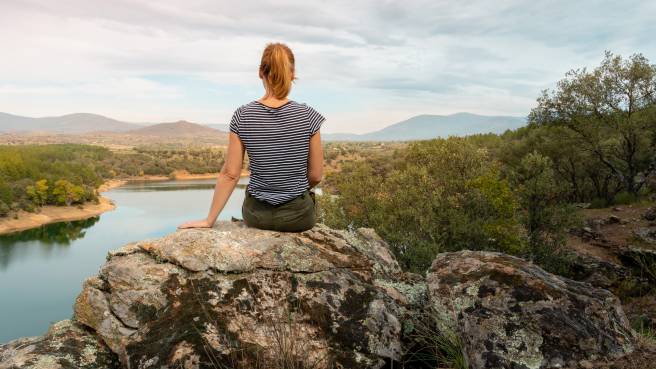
(650, 214)
(586, 364)
(599, 273)
(235, 296)
(641, 260)
(613, 219)
(511, 314)
(67, 345)
(647, 235)
(588, 233)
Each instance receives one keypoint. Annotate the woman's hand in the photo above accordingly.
(204, 223)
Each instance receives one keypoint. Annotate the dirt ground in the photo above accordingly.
(605, 234)
(53, 214)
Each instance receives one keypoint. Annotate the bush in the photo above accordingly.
(4, 209)
(624, 198)
(545, 218)
(438, 195)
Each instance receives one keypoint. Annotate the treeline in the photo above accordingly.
(590, 140)
(156, 161)
(32, 176)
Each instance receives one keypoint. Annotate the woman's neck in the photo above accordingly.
(270, 100)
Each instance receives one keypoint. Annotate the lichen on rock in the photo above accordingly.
(66, 345)
(238, 297)
(201, 295)
(511, 313)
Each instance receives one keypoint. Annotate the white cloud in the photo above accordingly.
(364, 64)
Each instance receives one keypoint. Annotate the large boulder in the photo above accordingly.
(239, 297)
(66, 345)
(509, 313)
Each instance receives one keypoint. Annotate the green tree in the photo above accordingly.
(437, 195)
(66, 193)
(545, 218)
(4, 209)
(611, 111)
(38, 192)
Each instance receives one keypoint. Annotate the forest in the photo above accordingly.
(32, 176)
(589, 143)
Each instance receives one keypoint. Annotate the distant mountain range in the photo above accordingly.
(420, 127)
(181, 129)
(424, 127)
(70, 124)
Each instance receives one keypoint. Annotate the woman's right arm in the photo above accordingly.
(225, 184)
(315, 160)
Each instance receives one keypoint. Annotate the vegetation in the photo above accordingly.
(435, 344)
(32, 176)
(158, 161)
(591, 140)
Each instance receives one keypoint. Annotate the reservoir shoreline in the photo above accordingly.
(54, 214)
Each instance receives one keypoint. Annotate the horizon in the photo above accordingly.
(363, 66)
(151, 123)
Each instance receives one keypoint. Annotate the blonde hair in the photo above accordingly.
(277, 69)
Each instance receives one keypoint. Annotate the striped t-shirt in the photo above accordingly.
(277, 142)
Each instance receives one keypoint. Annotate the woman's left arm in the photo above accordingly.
(225, 184)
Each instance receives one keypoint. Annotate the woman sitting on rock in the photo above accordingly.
(281, 137)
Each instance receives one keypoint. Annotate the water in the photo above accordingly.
(42, 270)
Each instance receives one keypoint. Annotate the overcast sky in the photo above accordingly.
(363, 64)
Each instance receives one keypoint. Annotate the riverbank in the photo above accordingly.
(23, 220)
(181, 175)
(53, 214)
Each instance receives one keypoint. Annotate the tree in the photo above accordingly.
(4, 209)
(545, 218)
(438, 195)
(38, 192)
(66, 193)
(611, 110)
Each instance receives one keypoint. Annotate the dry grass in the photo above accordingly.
(436, 345)
(280, 332)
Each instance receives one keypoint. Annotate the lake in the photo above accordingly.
(42, 269)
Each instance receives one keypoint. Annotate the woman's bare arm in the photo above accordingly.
(315, 160)
(225, 184)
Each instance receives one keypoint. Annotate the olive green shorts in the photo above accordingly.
(296, 215)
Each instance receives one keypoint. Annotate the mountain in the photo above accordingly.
(69, 124)
(180, 129)
(424, 127)
(220, 127)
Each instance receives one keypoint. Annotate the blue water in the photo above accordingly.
(42, 270)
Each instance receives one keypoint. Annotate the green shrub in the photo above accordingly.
(4, 209)
(624, 198)
(437, 195)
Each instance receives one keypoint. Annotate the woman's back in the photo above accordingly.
(283, 143)
(277, 142)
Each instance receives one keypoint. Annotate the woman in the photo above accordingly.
(283, 144)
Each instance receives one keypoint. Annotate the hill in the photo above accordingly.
(220, 127)
(67, 124)
(424, 127)
(180, 129)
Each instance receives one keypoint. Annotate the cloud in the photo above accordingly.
(165, 60)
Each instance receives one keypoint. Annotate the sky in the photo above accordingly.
(363, 64)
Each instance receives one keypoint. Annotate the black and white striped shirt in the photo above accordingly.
(277, 142)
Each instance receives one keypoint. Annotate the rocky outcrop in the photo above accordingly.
(237, 297)
(511, 314)
(241, 297)
(67, 345)
(650, 214)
